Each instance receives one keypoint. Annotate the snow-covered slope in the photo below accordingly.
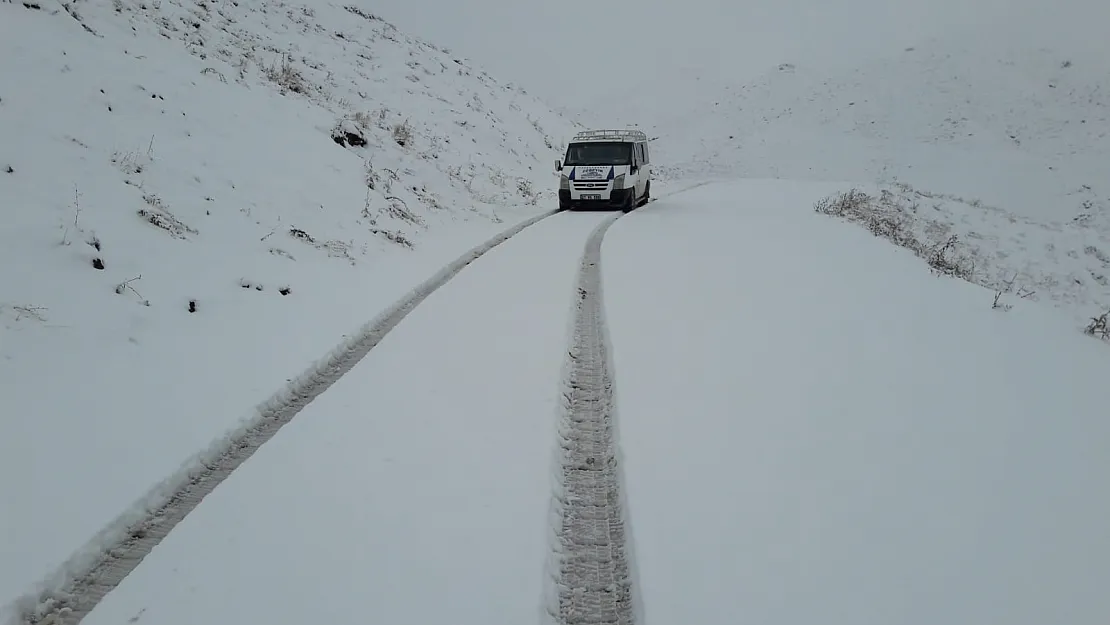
(1003, 144)
(189, 219)
(931, 113)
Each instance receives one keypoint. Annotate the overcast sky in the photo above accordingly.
(568, 51)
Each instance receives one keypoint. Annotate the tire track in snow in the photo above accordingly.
(589, 566)
(80, 583)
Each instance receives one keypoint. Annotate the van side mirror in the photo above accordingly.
(558, 165)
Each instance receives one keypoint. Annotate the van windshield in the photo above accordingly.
(599, 153)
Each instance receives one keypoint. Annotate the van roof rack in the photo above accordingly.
(610, 135)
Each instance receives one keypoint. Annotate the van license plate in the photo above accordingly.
(591, 196)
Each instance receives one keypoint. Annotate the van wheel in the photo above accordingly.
(630, 204)
(647, 192)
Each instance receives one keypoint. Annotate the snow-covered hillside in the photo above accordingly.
(199, 199)
(1003, 145)
(222, 220)
(930, 113)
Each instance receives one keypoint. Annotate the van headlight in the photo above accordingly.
(618, 182)
(564, 183)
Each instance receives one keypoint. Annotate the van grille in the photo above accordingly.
(600, 184)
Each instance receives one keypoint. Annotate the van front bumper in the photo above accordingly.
(618, 199)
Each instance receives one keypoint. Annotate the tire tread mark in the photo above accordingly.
(589, 556)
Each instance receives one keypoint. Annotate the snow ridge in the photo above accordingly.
(68, 595)
(589, 568)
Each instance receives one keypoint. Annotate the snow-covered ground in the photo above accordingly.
(172, 156)
(815, 429)
(802, 410)
(201, 201)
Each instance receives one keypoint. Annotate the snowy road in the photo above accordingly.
(806, 412)
(420, 480)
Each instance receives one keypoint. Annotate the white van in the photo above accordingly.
(605, 169)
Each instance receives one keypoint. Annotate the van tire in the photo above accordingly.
(647, 193)
(631, 204)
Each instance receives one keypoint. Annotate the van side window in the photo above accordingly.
(647, 157)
